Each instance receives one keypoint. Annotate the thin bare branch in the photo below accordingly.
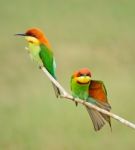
(67, 96)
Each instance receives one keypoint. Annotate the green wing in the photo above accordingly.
(47, 58)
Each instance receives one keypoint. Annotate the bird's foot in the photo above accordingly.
(40, 67)
(76, 103)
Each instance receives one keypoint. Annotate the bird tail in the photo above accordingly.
(97, 119)
(107, 107)
(56, 90)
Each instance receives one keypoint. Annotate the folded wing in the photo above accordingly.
(98, 96)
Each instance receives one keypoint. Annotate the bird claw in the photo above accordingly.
(40, 67)
(76, 103)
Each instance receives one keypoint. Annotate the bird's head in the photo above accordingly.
(82, 76)
(35, 36)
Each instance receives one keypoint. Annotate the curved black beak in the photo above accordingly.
(20, 34)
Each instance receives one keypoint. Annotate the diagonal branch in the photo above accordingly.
(67, 96)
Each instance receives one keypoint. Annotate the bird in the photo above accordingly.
(40, 51)
(91, 91)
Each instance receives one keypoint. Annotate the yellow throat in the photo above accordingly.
(83, 79)
(32, 40)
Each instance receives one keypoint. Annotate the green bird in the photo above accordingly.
(91, 91)
(40, 51)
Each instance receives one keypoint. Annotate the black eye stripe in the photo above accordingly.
(81, 74)
(31, 41)
(31, 34)
(88, 74)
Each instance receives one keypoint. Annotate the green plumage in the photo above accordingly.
(40, 52)
(82, 91)
(44, 57)
(47, 58)
(79, 90)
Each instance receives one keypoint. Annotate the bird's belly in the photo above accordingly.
(34, 53)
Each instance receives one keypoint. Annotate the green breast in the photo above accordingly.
(79, 90)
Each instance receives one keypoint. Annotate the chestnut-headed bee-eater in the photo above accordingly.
(92, 91)
(40, 51)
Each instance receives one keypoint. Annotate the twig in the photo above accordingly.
(67, 96)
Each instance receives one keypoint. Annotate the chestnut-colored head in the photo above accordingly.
(35, 32)
(35, 36)
(82, 76)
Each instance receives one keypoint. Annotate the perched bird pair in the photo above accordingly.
(82, 86)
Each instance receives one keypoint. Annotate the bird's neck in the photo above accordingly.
(44, 40)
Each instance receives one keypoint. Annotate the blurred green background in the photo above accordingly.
(96, 34)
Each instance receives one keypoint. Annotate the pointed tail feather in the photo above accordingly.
(108, 108)
(107, 118)
(102, 105)
(97, 119)
(56, 90)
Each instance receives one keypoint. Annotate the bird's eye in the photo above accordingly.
(80, 74)
(88, 74)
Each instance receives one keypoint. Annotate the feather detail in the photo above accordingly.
(47, 59)
(102, 105)
(97, 119)
(49, 63)
(98, 91)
